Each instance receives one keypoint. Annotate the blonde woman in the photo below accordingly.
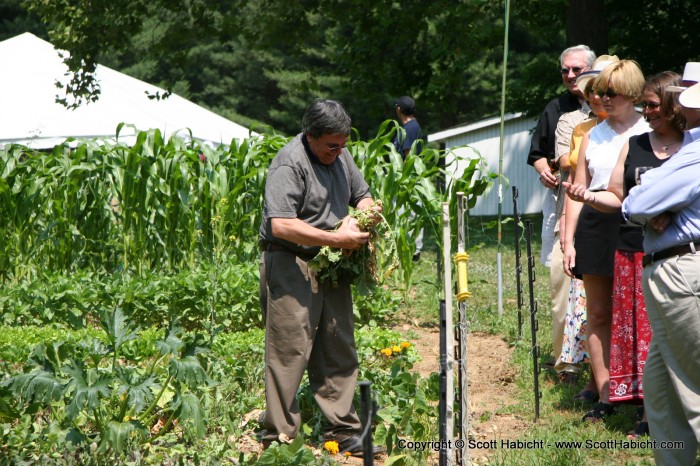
(594, 233)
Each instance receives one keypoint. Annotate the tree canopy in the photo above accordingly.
(264, 60)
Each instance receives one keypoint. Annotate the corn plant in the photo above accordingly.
(409, 187)
(97, 392)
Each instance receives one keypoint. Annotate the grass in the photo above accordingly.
(560, 416)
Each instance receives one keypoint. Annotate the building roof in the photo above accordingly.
(469, 127)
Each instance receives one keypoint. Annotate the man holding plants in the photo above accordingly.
(311, 183)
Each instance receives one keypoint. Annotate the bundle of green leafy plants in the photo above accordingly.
(359, 266)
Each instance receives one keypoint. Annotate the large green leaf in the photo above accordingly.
(88, 387)
(188, 407)
(39, 385)
(8, 412)
(118, 434)
(119, 329)
(138, 394)
(172, 342)
(188, 370)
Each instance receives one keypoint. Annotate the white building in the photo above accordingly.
(31, 116)
(484, 137)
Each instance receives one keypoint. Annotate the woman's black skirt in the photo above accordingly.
(595, 241)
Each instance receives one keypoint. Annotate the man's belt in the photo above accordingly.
(276, 247)
(670, 252)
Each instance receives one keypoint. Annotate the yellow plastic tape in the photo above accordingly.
(461, 258)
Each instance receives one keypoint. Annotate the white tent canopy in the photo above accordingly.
(30, 116)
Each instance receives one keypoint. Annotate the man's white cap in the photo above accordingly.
(691, 75)
(690, 98)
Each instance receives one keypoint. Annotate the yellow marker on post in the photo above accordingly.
(461, 258)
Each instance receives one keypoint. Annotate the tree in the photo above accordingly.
(267, 59)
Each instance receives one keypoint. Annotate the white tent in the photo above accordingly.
(29, 114)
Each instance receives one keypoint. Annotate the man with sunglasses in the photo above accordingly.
(310, 185)
(573, 61)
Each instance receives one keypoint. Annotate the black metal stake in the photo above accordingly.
(458, 393)
(366, 402)
(518, 264)
(443, 381)
(533, 320)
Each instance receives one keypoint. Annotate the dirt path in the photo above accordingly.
(491, 385)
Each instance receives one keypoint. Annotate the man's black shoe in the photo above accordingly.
(353, 444)
(416, 257)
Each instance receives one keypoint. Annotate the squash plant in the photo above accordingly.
(97, 391)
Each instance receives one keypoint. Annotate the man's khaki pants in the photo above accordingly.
(307, 326)
(672, 370)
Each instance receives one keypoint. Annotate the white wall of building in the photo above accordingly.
(484, 137)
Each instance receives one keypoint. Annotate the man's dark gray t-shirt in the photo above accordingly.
(300, 186)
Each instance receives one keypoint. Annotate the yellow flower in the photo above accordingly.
(405, 345)
(331, 447)
(386, 351)
(347, 453)
(396, 349)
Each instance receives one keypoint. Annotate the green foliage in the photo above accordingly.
(409, 188)
(294, 453)
(94, 391)
(405, 407)
(359, 266)
(209, 297)
(114, 207)
(163, 206)
(377, 307)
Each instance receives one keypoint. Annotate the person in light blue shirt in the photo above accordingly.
(668, 202)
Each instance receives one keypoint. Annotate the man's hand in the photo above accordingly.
(660, 222)
(349, 236)
(547, 178)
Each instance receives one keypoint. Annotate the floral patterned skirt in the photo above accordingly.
(573, 348)
(631, 333)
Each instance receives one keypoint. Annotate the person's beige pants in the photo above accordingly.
(307, 326)
(672, 371)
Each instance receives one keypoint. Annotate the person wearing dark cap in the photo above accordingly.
(403, 141)
(406, 113)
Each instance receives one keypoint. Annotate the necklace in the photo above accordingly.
(668, 145)
(665, 147)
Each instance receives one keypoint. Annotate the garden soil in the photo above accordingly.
(491, 390)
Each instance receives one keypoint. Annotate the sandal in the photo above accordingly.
(599, 412)
(640, 430)
(588, 396)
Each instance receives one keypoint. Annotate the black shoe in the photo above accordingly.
(640, 430)
(599, 412)
(416, 257)
(352, 444)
